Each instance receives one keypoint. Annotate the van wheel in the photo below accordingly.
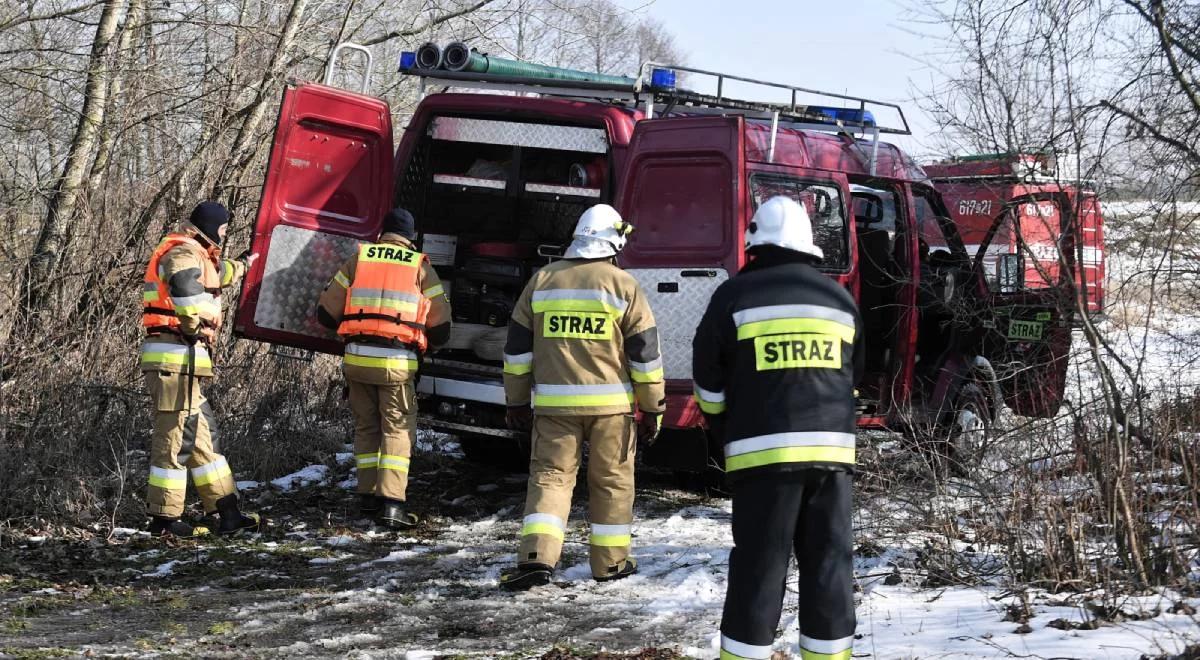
(971, 433)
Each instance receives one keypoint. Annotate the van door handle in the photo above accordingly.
(698, 273)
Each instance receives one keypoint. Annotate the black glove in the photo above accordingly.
(247, 258)
(519, 418)
(647, 428)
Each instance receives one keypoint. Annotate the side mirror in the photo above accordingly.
(1010, 268)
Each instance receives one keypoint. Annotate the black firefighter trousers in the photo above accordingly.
(807, 512)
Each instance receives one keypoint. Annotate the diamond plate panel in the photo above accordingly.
(517, 134)
(677, 313)
(300, 262)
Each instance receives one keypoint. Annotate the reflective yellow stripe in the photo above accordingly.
(610, 540)
(434, 291)
(813, 655)
(574, 305)
(726, 655)
(399, 305)
(517, 369)
(380, 362)
(712, 408)
(385, 253)
(393, 462)
(790, 455)
(174, 358)
(582, 400)
(167, 484)
(168, 479)
(202, 477)
(150, 296)
(341, 279)
(364, 461)
(198, 310)
(781, 326)
(542, 528)
(227, 270)
(646, 376)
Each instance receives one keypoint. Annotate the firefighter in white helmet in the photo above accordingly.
(583, 349)
(775, 361)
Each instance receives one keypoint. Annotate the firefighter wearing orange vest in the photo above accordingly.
(388, 306)
(181, 312)
(583, 346)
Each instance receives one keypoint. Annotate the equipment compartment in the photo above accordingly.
(507, 196)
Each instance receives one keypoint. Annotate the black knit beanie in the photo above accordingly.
(400, 221)
(208, 218)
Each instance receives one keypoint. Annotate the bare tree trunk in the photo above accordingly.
(52, 238)
(125, 55)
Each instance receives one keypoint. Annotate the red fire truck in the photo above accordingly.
(498, 161)
(1036, 232)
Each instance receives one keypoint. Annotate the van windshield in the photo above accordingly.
(823, 201)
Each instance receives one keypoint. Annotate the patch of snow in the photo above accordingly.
(313, 474)
(248, 485)
(340, 540)
(344, 457)
(349, 484)
(163, 570)
(330, 560)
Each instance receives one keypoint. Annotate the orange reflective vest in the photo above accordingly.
(161, 312)
(385, 299)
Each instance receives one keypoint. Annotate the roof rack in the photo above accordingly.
(793, 110)
(654, 91)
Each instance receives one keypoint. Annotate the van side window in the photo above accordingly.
(929, 230)
(823, 201)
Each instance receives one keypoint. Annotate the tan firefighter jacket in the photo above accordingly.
(375, 360)
(582, 341)
(187, 281)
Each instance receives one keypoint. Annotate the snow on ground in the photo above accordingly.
(313, 474)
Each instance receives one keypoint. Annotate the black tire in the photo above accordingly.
(971, 431)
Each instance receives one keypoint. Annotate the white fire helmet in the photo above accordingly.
(783, 222)
(600, 233)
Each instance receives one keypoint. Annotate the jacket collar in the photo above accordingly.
(768, 256)
(396, 239)
(210, 248)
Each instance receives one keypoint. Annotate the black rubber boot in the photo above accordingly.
(163, 526)
(625, 571)
(526, 576)
(394, 515)
(233, 521)
(369, 506)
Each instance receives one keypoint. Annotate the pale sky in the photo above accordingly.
(858, 47)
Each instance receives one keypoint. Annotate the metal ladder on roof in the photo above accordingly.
(666, 101)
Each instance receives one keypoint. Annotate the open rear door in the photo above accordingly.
(328, 185)
(683, 192)
(1028, 262)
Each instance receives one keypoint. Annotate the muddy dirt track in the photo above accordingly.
(321, 583)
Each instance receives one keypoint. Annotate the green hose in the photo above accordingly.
(459, 58)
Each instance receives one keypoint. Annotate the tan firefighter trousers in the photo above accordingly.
(557, 450)
(185, 437)
(385, 421)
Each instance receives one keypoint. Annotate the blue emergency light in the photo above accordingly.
(662, 79)
(407, 60)
(849, 115)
